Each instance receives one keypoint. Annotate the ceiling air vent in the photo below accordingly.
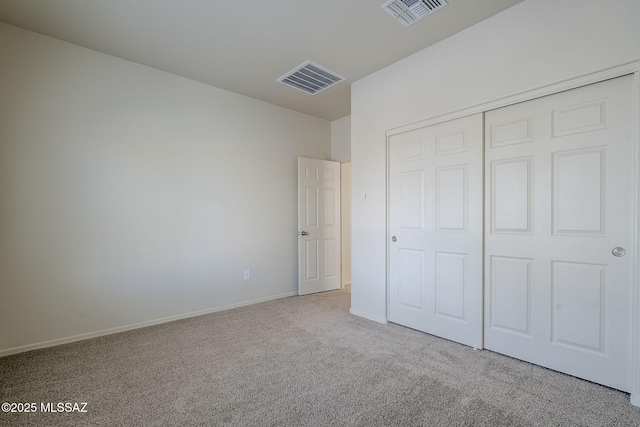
(410, 11)
(311, 78)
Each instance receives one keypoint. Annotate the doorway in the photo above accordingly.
(345, 214)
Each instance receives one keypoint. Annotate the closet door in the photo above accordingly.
(559, 231)
(435, 224)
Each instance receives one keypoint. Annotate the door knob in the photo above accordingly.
(394, 239)
(618, 251)
(303, 233)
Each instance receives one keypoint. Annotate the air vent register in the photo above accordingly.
(409, 11)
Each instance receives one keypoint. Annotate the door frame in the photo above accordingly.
(538, 92)
(345, 220)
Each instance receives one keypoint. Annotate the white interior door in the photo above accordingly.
(559, 200)
(318, 225)
(435, 224)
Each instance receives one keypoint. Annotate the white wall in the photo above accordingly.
(341, 139)
(532, 44)
(130, 195)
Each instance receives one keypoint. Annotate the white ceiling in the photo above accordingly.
(244, 46)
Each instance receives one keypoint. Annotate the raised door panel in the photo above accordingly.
(579, 195)
(312, 204)
(452, 198)
(410, 277)
(584, 117)
(453, 142)
(312, 264)
(510, 294)
(411, 200)
(512, 195)
(451, 283)
(509, 132)
(578, 305)
(330, 250)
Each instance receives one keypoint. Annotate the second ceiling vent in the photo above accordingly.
(311, 78)
(410, 11)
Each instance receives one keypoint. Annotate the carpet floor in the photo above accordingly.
(299, 361)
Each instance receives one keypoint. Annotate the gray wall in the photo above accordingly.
(131, 196)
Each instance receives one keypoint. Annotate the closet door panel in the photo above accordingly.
(559, 188)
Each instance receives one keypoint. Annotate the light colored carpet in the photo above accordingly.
(299, 361)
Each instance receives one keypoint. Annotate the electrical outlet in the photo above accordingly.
(247, 274)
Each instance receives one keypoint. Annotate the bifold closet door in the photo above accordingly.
(559, 231)
(435, 213)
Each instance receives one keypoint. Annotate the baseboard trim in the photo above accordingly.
(89, 335)
(635, 399)
(368, 316)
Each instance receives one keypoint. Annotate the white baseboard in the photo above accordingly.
(635, 399)
(110, 331)
(368, 316)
